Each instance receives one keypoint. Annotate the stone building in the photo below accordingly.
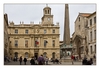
(6, 36)
(79, 37)
(92, 34)
(29, 40)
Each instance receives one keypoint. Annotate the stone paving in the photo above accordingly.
(50, 63)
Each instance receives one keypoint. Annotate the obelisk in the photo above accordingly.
(66, 38)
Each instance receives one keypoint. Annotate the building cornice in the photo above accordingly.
(34, 48)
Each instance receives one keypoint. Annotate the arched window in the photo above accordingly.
(26, 55)
(16, 54)
(45, 11)
(53, 55)
(44, 54)
(48, 11)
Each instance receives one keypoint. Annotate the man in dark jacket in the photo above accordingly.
(25, 60)
(84, 62)
(90, 62)
(32, 61)
(20, 60)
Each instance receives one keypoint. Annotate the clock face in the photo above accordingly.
(48, 19)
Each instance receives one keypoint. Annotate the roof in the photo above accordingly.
(47, 7)
(84, 14)
(91, 14)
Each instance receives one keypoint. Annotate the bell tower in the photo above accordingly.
(47, 18)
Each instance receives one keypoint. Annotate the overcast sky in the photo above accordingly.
(34, 13)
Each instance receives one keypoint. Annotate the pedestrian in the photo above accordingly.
(14, 58)
(46, 60)
(84, 61)
(25, 60)
(72, 58)
(5, 58)
(11, 58)
(91, 61)
(8, 59)
(32, 61)
(60, 61)
(41, 60)
(20, 60)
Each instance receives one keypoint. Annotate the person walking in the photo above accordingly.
(46, 60)
(72, 58)
(32, 61)
(41, 60)
(14, 58)
(20, 60)
(25, 60)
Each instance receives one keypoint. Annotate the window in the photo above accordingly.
(16, 43)
(45, 11)
(26, 43)
(48, 11)
(26, 31)
(53, 43)
(90, 22)
(94, 34)
(79, 19)
(16, 31)
(91, 49)
(95, 48)
(45, 43)
(53, 31)
(79, 27)
(53, 55)
(36, 43)
(91, 36)
(45, 31)
(82, 49)
(94, 19)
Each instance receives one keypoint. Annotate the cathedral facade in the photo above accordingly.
(84, 37)
(29, 40)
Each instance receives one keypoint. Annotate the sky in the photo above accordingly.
(30, 12)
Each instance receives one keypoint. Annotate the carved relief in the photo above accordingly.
(37, 30)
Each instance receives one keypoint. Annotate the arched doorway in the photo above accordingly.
(26, 55)
(44, 54)
(78, 47)
(16, 54)
(53, 55)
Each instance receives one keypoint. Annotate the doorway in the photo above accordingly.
(36, 55)
(79, 48)
(16, 54)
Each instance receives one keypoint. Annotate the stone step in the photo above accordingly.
(66, 60)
